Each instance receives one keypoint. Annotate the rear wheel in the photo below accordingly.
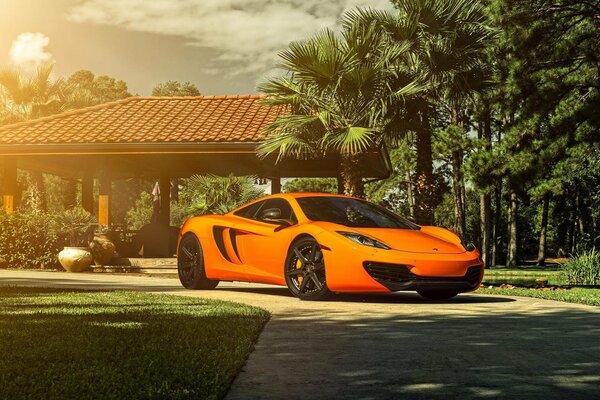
(305, 270)
(190, 264)
(437, 294)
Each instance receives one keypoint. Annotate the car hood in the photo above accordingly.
(431, 240)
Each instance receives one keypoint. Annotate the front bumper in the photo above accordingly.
(399, 277)
(398, 270)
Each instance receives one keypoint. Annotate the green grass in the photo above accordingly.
(121, 345)
(523, 275)
(589, 296)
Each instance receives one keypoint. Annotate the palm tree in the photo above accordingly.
(31, 97)
(448, 41)
(346, 95)
(25, 98)
(211, 194)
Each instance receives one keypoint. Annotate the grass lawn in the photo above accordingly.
(590, 296)
(121, 345)
(523, 275)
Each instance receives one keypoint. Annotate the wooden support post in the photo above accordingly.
(104, 201)
(165, 200)
(87, 193)
(275, 185)
(9, 189)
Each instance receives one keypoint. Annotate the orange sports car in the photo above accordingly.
(316, 243)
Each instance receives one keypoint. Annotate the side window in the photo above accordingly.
(283, 205)
(250, 211)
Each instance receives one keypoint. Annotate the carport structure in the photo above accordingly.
(156, 138)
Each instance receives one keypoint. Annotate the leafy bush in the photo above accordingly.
(582, 269)
(28, 241)
(76, 224)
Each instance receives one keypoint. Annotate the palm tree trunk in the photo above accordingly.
(541, 260)
(351, 176)
(424, 187)
(511, 257)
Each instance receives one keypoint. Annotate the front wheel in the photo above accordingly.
(437, 294)
(190, 264)
(305, 270)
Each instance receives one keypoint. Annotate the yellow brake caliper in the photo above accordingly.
(298, 266)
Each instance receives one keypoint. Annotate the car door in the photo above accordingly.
(263, 244)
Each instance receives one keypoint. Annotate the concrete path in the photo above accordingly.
(396, 346)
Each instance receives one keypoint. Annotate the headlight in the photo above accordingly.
(364, 240)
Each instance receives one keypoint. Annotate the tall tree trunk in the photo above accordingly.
(340, 183)
(541, 260)
(562, 229)
(410, 194)
(458, 192)
(497, 219)
(424, 187)
(458, 186)
(511, 256)
(485, 201)
(350, 171)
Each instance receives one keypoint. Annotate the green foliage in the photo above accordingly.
(28, 240)
(343, 91)
(84, 335)
(198, 195)
(84, 89)
(211, 194)
(582, 269)
(174, 88)
(315, 185)
(140, 213)
(76, 224)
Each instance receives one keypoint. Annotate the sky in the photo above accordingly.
(223, 46)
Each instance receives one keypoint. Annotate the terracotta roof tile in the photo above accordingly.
(151, 119)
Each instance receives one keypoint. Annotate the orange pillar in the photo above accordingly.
(9, 189)
(104, 201)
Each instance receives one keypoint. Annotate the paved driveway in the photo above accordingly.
(396, 346)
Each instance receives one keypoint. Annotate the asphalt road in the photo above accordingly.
(396, 346)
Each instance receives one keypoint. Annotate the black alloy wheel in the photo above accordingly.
(305, 270)
(190, 264)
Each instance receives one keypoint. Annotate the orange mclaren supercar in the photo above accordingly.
(317, 243)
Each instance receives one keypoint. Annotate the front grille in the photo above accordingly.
(392, 273)
(399, 274)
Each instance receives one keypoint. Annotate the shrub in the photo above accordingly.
(27, 240)
(583, 268)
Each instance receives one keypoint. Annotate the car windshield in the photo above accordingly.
(351, 212)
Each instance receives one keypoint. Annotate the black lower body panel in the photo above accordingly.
(398, 277)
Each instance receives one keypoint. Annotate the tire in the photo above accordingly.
(437, 294)
(190, 264)
(304, 270)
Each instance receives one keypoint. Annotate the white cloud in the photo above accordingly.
(28, 50)
(247, 34)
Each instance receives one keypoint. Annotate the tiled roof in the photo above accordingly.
(218, 119)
